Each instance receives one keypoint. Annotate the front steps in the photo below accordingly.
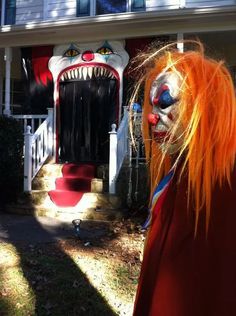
(94, 205)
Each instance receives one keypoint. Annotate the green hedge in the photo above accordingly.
(11, 159)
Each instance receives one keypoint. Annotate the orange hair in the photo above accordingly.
(207, 115)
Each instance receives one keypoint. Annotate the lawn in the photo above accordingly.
(74, 276)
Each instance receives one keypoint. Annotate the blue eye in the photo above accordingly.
(165, 99)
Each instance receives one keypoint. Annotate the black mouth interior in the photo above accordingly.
(86, 111)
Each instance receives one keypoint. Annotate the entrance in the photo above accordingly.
(87, 110)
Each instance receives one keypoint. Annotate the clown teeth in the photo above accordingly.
(90, 72)
(84, 73)
(80, 73)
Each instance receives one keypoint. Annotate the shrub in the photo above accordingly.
(11, 159)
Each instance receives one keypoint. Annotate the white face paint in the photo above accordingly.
(84, 61)
(164, 99)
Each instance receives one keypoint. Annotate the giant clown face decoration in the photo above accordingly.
(164, 95)
(94, 72)
(87, 61)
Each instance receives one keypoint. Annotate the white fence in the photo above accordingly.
(119, 146)
(38, 144)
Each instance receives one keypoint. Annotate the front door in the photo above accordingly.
(87, 110)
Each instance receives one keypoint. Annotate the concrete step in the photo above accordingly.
(99, 206)
(50, 170)
(43, 183)
(89, 200)
(68, 214)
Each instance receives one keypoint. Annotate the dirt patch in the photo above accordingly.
(94, 273)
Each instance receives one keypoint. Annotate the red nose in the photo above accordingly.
(88, 55)
(153, 118)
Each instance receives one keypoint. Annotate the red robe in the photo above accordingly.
(183, 275)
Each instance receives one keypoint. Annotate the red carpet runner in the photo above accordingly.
(75, 181)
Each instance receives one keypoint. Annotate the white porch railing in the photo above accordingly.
(38, 144)
(119, 146)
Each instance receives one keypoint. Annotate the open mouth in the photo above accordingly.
(161, 136)
(87, 72)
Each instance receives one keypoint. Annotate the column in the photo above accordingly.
(8, 59)
(180, 42)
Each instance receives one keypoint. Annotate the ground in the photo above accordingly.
(90, 274)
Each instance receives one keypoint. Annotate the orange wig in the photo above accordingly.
(207, 117)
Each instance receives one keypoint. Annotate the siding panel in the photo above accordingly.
(33, 10)
(208, 3)
(61, 8)
(153, 5)
(29, 11)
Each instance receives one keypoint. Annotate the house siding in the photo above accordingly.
(60, 9)
(208, 3)
(28, 11)
(155, 5)
(39, 10)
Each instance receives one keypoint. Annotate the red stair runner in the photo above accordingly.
(75, 181)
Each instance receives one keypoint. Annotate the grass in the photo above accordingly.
(71, 277)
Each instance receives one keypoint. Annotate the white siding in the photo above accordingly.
(153, 5)
(208, 3)
(28, 11)
(38, 10)
(60, 9)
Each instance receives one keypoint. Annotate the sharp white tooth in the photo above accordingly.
(62, 78)
(96, 72)
(76, 73)
(65, 75)
(90, 72)
(68, 74)
(102, 71)
(80, 73)
(85, 72)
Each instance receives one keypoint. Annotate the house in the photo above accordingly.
(72, 56)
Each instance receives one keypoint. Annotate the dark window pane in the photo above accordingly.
(110, 6)
(0, 12)
(138, 5)
(83, 7)
(10, 13)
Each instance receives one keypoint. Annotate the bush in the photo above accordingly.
(11, 159)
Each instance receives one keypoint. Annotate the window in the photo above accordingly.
(110, 6)
(10, 12)
(138, 5)
(100, 7)
(0, 12)
(83, 7)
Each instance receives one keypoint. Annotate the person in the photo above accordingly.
(189, 130)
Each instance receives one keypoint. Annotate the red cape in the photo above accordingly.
(183, 275)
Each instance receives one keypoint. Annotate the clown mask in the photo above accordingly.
(164, 99)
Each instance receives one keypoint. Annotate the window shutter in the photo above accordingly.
(83, 7)
(138, 5)
(10, 12)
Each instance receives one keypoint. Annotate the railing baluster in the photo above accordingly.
(33, 126)
(28, 160)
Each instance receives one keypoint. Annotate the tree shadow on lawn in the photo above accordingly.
(59, 287)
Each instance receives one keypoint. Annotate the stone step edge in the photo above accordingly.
(89, 213)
